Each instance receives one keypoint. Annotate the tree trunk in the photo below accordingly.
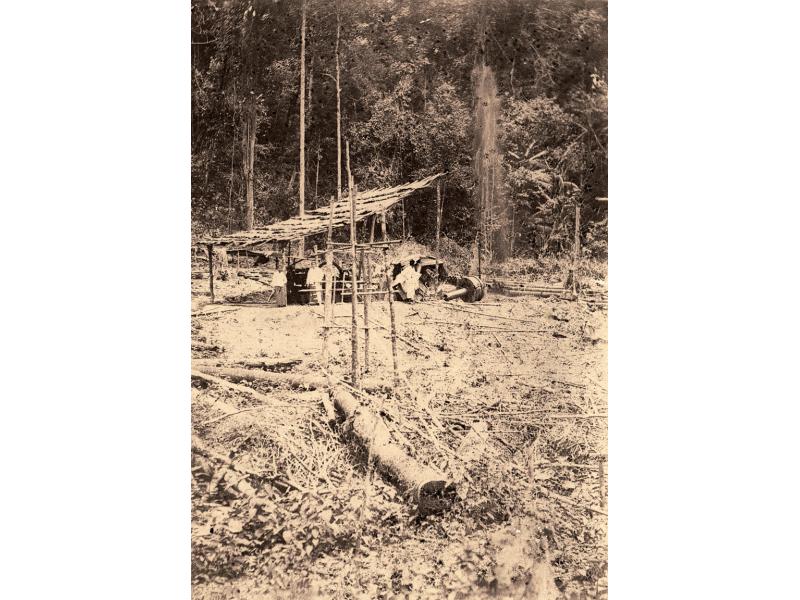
(354, 376)
(427, 486)
(248, 158)
(303, 122)
(338, 113)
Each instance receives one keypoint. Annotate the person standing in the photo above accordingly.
(314, 280)
(279, 285)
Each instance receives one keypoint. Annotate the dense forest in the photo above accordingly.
(508, 97)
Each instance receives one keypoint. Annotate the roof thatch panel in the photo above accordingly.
(315, 221)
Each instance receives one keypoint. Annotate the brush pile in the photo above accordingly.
(506, 400)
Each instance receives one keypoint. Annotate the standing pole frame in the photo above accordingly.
(211, 270)
(354, 377)
(390, 295)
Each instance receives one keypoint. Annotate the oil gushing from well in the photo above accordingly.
(489, 198)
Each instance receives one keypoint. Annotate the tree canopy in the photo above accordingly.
(408, 104)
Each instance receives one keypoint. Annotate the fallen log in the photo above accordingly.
(429, 488)
(229, 410)
(263, 364)
(306, 382)
(203, 347)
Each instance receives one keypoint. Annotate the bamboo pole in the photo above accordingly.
(329, 295)
(354, 376)
(392, 323)
(366, 271)
(576, 248)
(403, 210)
(602, 483)
(372, 230)
(211, 270)
(438, 228)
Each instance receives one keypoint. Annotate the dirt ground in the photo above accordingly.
(507, 396)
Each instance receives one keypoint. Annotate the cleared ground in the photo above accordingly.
(508, 397)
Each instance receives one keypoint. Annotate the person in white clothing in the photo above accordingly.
(408, 280)
(279, 285)
(314, 279)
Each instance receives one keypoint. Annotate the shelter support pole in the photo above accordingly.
(438, 228)
(602, 484)
(354, 378)
(366, 275)
(390, 296)
(211, 270)
(403, 210)
(576, 249)
(392, 325)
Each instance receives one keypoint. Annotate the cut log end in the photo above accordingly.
(435, 496)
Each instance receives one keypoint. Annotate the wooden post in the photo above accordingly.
(478, 243)
(403, 210)
(315, 260)
(602, 484)
(354, 377)
(513, 222)
(211, 270)
(383, 226)
(576, 249)
(438, 228)
(329, 261)
(372, 230)
(367, 277)
(392, 325)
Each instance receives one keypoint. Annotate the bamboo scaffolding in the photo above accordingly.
(354, 374)
(390, 296)
(367, 273)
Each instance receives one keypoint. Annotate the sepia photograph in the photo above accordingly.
(399, 299)
(329, 316)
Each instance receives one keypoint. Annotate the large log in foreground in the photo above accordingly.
(294, 380)
(308, 382)
(428, 487)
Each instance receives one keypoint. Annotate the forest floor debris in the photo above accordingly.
(283, 506)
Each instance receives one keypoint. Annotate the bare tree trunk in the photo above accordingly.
(354, 279)
(316, 179)
(338, 113)
(303, 122)
(248, 158)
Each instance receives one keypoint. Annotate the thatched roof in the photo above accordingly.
(316, 221)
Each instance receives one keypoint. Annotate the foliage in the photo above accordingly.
(234, 534)
(407, 97)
